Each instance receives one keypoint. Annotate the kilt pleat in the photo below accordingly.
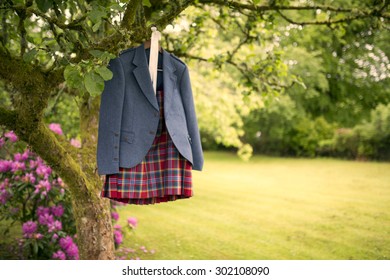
(163, 175)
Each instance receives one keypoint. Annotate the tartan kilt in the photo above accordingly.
(163, 175)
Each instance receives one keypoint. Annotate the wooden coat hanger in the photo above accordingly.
(147, 45)
(155, 48)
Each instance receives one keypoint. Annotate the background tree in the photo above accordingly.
(54, 48)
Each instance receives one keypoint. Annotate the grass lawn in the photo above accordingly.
(272, 208)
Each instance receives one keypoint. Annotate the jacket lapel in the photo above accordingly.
(142, 75)
(169, 79)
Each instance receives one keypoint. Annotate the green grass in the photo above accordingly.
(8, 245)
(272, 208)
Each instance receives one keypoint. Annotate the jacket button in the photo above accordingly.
(151, 132)
(156, 115)
(115, 158)
(116, 147)
(116, 134)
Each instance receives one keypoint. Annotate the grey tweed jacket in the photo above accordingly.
(129, 112)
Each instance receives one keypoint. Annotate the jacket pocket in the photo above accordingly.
(127, 136)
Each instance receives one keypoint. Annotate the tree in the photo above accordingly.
(52, 46)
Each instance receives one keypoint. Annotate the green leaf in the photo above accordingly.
(146, 3)
(97, 14)
(116, 6)
(29, 56)
(49, 41)
(96, 26)
(94, 83)
(104, 72)
(299, 81)
(73, 77)
(35, 245)
(96, 53)
(44, 5)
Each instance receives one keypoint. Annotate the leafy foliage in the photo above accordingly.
(368, 140)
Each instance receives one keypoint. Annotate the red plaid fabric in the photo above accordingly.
(164, 174)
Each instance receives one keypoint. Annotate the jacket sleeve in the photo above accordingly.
(110, 116)
(192, 123)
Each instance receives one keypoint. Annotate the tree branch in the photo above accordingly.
(28, 79)
(171, 12)
(130, 12)
(262, 8)
(322, 22)
(356, 12)
(74, 25)
(4, 28)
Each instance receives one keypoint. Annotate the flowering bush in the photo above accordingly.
(33, 195)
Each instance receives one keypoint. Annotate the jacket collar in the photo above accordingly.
(141, 73)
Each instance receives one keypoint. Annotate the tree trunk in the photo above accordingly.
(94, 228)
(92, 214)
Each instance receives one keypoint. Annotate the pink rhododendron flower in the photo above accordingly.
(57, 211)
(5, 165)
(43, 170)
(54, 237)
(21, 157)
(60, 182)
(29, 227)
(115, 216)
(73, 252)
(54, 226)
(65, 242)
(33, 164)
(43, 210)
(118, 237)
(17, 165)
(56, 128)
(46, 219)
(2, 142)
(75, 142)
(29, 177)
(60, 255)
(44, 186)
(18, 157)
(38, 235)
(26, 154)
(132, 222)
(11, 136)
(118, 227)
